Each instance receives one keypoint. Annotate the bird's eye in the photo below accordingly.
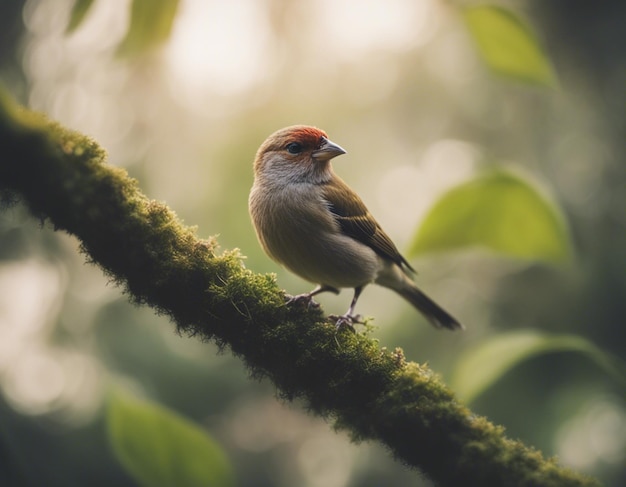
(294, 148)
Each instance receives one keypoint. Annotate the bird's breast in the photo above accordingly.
(296, 228)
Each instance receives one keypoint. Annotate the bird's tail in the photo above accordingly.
(437, 316)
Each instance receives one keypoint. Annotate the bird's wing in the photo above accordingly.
(356, 221)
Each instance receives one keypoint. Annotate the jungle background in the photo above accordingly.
(401, 85)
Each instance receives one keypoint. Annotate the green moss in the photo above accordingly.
(373, 393)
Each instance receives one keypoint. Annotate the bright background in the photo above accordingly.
(399, 84)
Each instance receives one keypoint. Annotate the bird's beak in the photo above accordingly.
(327, 151)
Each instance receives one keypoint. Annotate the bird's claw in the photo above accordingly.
(346, 321)
(301, 300)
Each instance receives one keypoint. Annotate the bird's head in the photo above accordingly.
(296, 153)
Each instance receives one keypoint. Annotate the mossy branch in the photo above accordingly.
(373, 393)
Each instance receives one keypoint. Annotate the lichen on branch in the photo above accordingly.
(62, 176)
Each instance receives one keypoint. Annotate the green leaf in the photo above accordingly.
(508, 45)
(161, 449)
(150, 25)
(481, 367)
(499, 211)
(79, 11)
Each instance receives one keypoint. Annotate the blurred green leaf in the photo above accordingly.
(161, 449)
(481, 367)
(150, 25)
(79, 11)
(500, 211)
(508, 45)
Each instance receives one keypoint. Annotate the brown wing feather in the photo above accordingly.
(356, 221)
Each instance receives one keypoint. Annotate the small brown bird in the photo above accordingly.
(311, 222)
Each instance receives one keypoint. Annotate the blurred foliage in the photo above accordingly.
(499, 211)
(508, 45)
(161, 449)
(79, 11)
(481, 366)
(150, 24)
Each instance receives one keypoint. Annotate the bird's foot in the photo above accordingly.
(304, 300)
(347, 321)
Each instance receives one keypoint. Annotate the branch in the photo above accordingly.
(373, 393)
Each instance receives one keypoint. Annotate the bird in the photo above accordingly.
(311, 222)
